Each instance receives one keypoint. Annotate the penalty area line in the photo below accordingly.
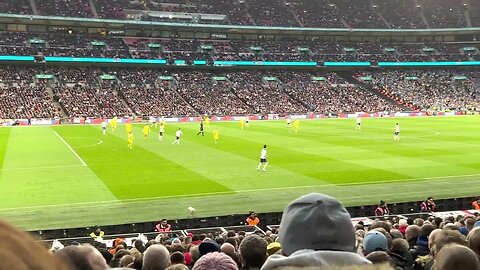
(71, 149)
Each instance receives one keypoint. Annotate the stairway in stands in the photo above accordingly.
(57, 104)
(349, 77)
(34, 7)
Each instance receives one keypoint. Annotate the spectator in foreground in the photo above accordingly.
(215, 260)
(473, 239)
(456, 257)
(316, 230)
(156, 257)
(18, 250)
(83, 257)
(253, 252)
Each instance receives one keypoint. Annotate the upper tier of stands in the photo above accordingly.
(83, 45)
(299, 13)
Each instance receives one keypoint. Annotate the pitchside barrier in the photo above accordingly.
(97, 121)
(220, 224)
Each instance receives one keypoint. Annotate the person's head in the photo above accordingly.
(418, 222)
(381, 224)
(396, 234)
(425, 230)
(396, 124)
(456, 257)
(473, 240)
(253, 251)
(440, 238)
(177, 257)
(138, 244)
(374, 241)
(179, 129)
(316, 221)
(194, 254)
(399, 246)
(177, 267)
(164, 222)
(84, 257)
(126, 260)
(97, 230)
(215, 260)
(380, 257)
(265, 146)
(382, 204)
(430, 199)
(252, 214)
(228, 249)
(156, 257)
(18, 250)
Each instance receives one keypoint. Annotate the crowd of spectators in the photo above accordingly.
(85, 91)
(315, 232)
(26, 101)
(319, 13)
(65, 8)
(333, 95)
(82, 45)
(91, 101)
(209, 96)
(431, 90)
(15, 7)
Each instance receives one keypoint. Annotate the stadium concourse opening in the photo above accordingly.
(172, 134)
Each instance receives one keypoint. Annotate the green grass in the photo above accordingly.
(64, 176)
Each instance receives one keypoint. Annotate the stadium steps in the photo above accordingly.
(348, 76)
(380, 15)
(240, 98)
(124, 101)
(185, 100)
(93, 8)
(57, 104)
(422, 15)
(468, 19)
(249, 15)
(295, 16)
(34, 7)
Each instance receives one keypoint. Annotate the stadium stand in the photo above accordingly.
(434, 91)
(83, 45)
(328, 14)
(15, 7)
(100, 92)
(407, 241)
(65, 8)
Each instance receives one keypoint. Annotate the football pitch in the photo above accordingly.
(71, 176)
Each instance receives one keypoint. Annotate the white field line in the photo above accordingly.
(40, 168)
(95, 203)
(71, 149)
(88, 145)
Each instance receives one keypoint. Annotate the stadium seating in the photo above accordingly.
(406, 241)
(82, 45)
(437, 90)
(327, 14)
(99, 92)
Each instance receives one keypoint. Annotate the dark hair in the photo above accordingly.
(177, 257)
(253, 250)
(264, 146)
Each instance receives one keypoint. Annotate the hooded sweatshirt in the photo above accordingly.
(307, 257)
